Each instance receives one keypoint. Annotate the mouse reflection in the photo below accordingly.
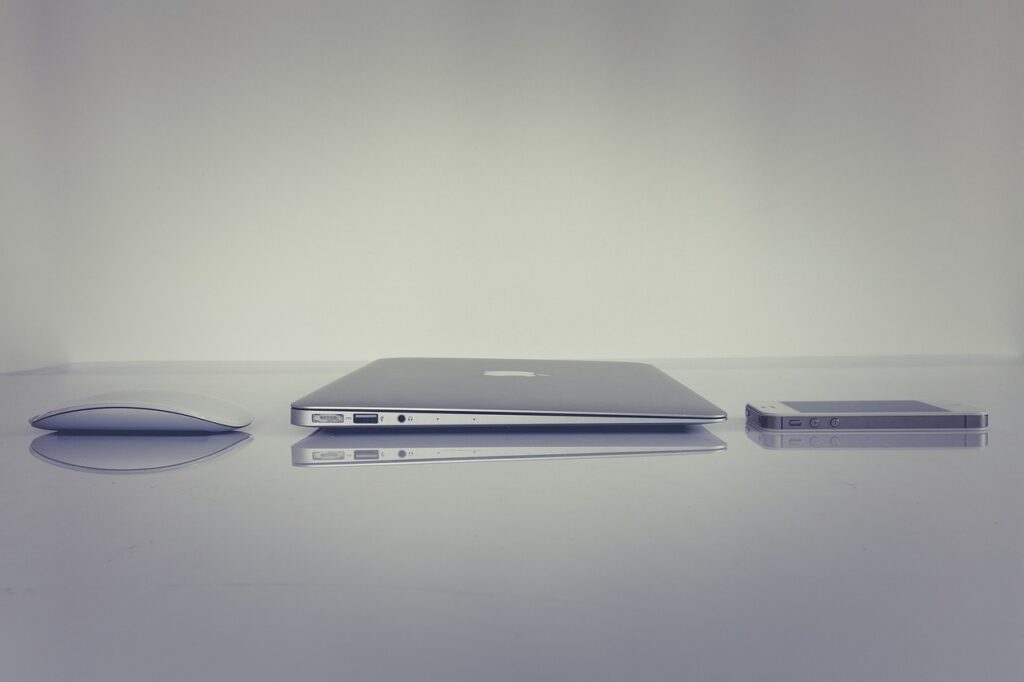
(123, 453)
(810, 440)
(327, 447)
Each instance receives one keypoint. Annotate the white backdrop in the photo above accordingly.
(259, 180)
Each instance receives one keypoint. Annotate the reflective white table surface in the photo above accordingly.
(759, 563)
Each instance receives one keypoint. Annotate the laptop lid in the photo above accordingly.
(404, 392)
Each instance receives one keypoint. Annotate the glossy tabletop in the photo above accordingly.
(766, 560)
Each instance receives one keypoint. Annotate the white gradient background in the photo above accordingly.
(271, 180)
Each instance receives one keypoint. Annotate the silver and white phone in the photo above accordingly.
(863, 414)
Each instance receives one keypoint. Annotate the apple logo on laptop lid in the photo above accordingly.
(513, 373)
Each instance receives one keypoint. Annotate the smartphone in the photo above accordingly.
(827, 415)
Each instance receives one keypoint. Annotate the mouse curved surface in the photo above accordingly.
(146, 411)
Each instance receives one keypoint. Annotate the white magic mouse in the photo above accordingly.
(154, 411)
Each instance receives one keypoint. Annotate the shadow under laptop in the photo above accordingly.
(337, 447)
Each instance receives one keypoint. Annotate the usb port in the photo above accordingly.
(366, 454)
(365, 418)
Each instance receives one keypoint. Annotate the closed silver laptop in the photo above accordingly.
(447, 392)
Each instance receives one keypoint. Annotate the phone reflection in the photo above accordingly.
(124, 453)
(327, 447)
(893, 440)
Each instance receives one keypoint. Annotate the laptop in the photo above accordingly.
(467, 392)
(338, 447)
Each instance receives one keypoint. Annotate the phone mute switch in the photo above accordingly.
(795, 422)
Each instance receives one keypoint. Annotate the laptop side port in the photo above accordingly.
(365, 418)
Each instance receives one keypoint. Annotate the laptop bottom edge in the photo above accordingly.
(347, 418)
